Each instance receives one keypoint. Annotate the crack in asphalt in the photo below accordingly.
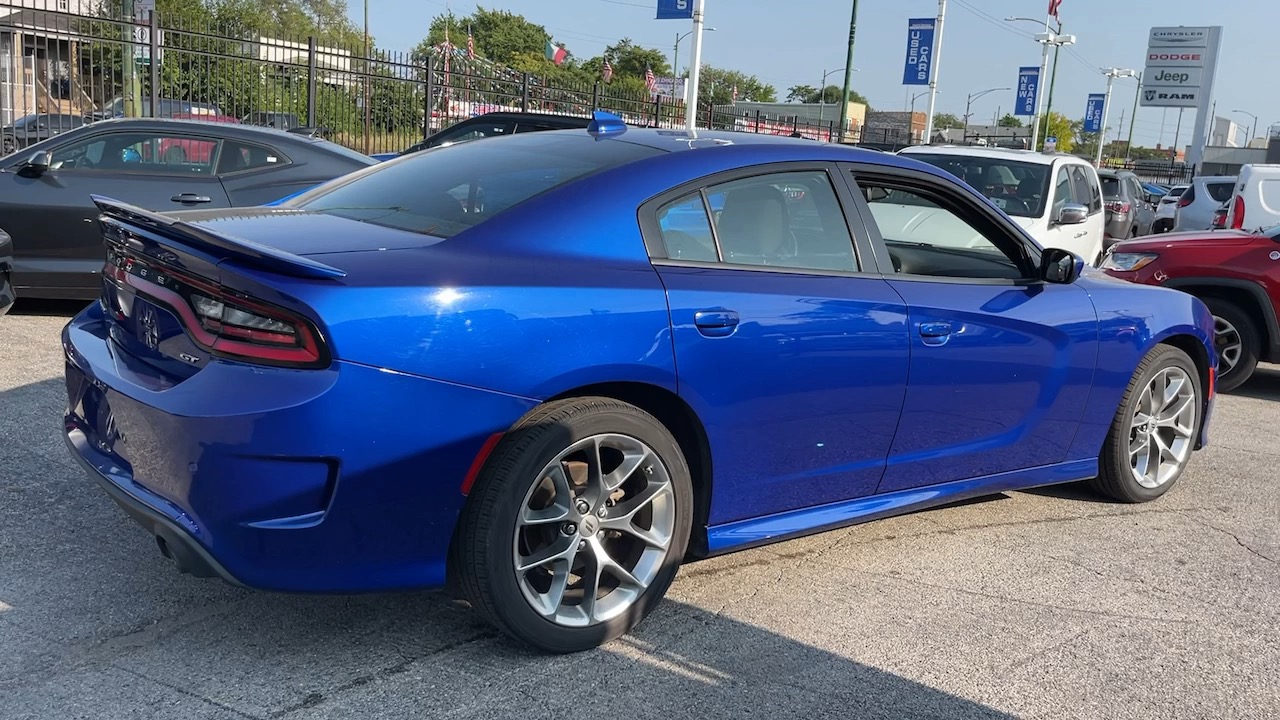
(1233, 536)
(187, 693)
(316, 698)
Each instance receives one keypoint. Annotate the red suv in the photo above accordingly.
(1237, 274)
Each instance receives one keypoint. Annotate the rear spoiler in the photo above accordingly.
(224, 247)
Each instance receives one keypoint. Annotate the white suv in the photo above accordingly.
(1034, 189)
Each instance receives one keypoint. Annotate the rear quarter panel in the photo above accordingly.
(1132, 320)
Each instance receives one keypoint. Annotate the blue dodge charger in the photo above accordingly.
(546, 369)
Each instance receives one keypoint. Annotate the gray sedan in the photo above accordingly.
(154, 164)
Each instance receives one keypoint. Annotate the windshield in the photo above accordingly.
(444, 191)
(1016, 187)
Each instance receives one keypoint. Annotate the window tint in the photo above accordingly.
(139, 152)
(1221, 191)
(1110, 185)
(449, 189)
(1085, 188)
(470, 132)
(686, 230)
(1064, 191)
(925, 237)
(239, 156)
(1016, 187)
(790, 220)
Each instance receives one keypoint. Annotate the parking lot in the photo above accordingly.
(1039, 604)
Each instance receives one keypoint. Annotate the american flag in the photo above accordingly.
(607, 71)
(650, 81)
(471, 45)
(1053, 7)
(735, 93)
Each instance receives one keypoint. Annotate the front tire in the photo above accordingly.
(1154, 431)
(576, 525)
(1237, 340)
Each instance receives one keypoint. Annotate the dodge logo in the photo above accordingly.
(148, 328)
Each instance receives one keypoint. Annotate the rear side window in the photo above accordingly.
(239, 156)
(686, 230)
(1220, 191)
(1270, 190)
(446, 190)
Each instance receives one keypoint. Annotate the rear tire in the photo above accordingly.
(8, 145)
(1154, 430)
(576, 525)
(1237, 341)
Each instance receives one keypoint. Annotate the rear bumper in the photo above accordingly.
(338, 480)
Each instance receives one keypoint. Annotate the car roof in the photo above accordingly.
(571, 120)
(993, 153)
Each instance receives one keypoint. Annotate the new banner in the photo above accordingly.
(1093, 113)
(675, 9)
(1028, 87)
(919, 51)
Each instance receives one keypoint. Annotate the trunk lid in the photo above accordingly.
(301, 232)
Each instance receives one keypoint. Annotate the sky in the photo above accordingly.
(792, 43)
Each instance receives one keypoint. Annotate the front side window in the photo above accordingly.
(1084, 186)
(1064, 191)
(1018, 188)
(139, 152)
(925, 235)
(788, 220)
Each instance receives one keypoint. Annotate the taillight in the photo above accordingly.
(1185, 200)
(1237, 213)
(223, 322)
(1219, 220)
(1118, 206)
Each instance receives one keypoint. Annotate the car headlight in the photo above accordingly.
(1128, 262)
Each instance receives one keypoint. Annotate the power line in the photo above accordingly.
(992, 20)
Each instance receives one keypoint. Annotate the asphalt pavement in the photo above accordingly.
(1045, 604)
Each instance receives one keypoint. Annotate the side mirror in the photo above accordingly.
(1060, 266)
(38, 164)
(1071, 214)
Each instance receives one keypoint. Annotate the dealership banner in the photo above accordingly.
(920, 33)
(1093, 113)
(675, 9)
(1028, 88)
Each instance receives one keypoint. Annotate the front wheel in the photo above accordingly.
(1154, 430)
(576, 525)
(1236, 338)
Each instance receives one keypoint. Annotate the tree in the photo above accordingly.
(1010, 121)
(829, 95)
(947, 121)
(1060, 126)
(499, 36)
(631, 60)
(716, 86)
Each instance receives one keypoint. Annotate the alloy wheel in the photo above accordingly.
(1227, 341)
(594, 530)
(1164, 422)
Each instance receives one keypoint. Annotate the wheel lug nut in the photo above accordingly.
(582, 544)
(602, 512)
(600, 534)
(569, 529)
(582, 506)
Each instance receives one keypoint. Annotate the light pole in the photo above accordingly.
(695, 65)
(822, 92)
(675, 52)
(1112, 74)
(1252, 127)
(969, 103)
(1133, 118)
(1057, 47)
(933, 71)
(848, 71)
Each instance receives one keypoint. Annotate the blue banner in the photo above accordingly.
(675, 9)
(919, 51)
(1093, 113)
(1028, 89)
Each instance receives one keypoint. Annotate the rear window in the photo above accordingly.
(1110, 185)
(446, 190)
(1221, 191)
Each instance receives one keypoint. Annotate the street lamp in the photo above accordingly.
(1112, 74)
(675, 53)
(1057, 40)
(1251, 127)
(822, 91)
(969, 102)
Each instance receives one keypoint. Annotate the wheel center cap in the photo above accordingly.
(590, 525)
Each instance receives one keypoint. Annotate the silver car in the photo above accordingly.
(1198, 203)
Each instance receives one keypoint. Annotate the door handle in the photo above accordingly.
(190, 199)
(716, 323)
(934, 333)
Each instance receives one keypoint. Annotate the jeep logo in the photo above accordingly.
(1173, 78)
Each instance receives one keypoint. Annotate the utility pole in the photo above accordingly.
(695, 67)
(933, 73)
(129, 68)
(1177, 132)
(1133, 119)
(848, 72)
(368, 71)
